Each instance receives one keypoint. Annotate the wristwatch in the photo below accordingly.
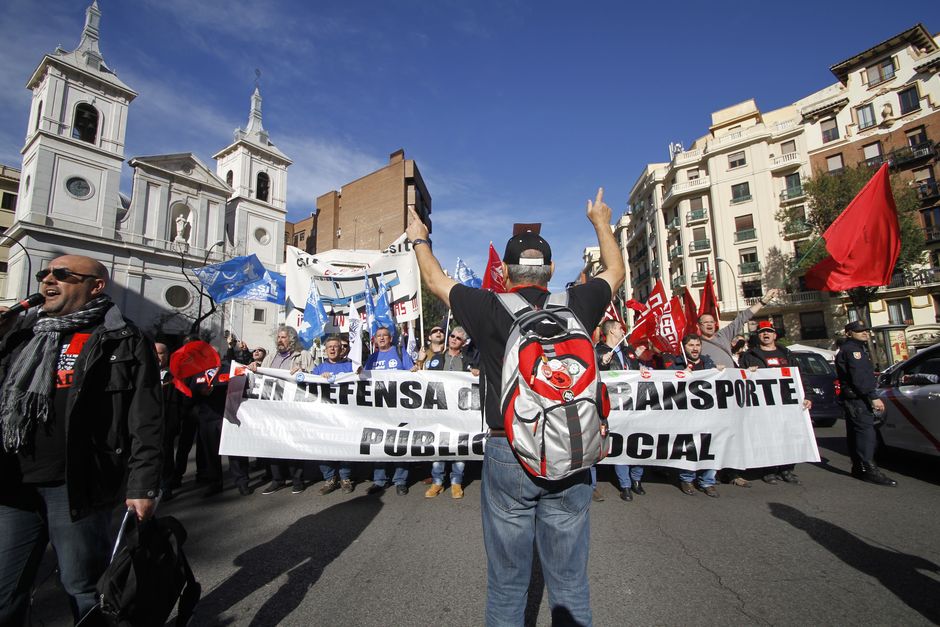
(415, 242)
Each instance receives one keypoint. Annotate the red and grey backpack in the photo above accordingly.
(553, 403)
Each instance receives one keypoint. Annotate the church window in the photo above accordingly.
(38, 116)
(229, 178)
(85, 124)
(177, 296)
(262, 236)
(78, 187)
(264, 185)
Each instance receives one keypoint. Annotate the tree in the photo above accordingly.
(828, 195)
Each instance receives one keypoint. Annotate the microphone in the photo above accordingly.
(30, 301)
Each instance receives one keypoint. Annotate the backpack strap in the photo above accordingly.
(558, 299)
(514, 303)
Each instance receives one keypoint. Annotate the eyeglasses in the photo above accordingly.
(61, 274)
(437, 331)
(457, 336)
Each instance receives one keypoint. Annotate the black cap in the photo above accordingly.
(527, 240)
(856, 326)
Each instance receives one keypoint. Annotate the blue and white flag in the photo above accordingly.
(370, 308)
(382, 312)
(314, 323)
(271, 290)
(228, 279)
(465, 276)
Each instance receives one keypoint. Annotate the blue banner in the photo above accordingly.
(382, 312)
(230, 279)
(314, 323)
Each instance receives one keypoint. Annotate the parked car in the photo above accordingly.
(820, 385)
(911, 394)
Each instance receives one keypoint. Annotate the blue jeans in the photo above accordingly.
(519, 511)
(83, 549)
(329, 470)
(456, 472)
(380, 474)
(627, 474)
(705, 479)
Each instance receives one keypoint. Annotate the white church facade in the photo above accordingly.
(180, 212)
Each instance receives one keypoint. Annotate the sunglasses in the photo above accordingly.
(437, 331)
(61, 274)
(457, 336)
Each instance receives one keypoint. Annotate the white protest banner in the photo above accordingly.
(708, 419)
(337, 275)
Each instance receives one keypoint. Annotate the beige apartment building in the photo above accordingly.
(371, 212)
(9, 188)
(714, 206)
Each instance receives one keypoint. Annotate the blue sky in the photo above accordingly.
(515, 111)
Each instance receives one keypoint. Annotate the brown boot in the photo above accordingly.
(456, 491)
(433, 491)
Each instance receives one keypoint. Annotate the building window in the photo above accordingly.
(79, 187)
(38, 116)
(178, 297)
(813, 326)
(693, 174)
(229, 178)
(263, 186)
(696, 203)
(916, 137)
(258, 315)
(85, 123)
(872, 153)
(834, 163)
(751, 289)
(899, 311)
(866, 116)
(736, 160)
(740, 192)
(794, 184)
(262, 236)
(830, 130)
(859, 313)
(909, 99)
(8, 201)
(788, 147)
(880, 72)
(744, 228)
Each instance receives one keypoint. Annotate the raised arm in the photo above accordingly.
(431, 273)
(599, 214)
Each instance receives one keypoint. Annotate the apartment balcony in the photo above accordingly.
(700, 246)
(786, 162)
(797, 228)
(745, 235)
(918, 278)
(796, 298)
(696, 215)
(687, 157)
(686, 187)
(740, 199)
(909, 154)
(749, 267)
(792, 194)
(932, 234)
(699, 277)
(875, 162)
(675, 252)
(678, 282)
(927, 190)
(673, 224)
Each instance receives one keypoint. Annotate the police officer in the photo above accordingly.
(859, 397)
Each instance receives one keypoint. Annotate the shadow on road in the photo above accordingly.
(897, 572)
(301, 551)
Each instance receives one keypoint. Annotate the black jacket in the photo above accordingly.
(855, 371)
(626, 353)
(113, 417)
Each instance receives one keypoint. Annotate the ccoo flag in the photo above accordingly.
(863, 242)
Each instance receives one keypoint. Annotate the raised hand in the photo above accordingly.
(598, 212)
(416, 228)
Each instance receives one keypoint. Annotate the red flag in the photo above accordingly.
(191, 359)
(493, 275)
(613, 313)
(646, 323)
(671, 327)
(863, 242)
(690, 311)
(709, 301)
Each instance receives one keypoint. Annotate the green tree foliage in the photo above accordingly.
(827, 196)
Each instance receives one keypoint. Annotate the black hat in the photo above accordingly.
(856, 326)
(527, 240)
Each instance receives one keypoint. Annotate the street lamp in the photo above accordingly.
(737, 303)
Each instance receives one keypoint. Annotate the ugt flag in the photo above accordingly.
(465, 276)
(315, 318)
(228, 279)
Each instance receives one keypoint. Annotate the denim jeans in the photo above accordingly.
(456, 472)
(705, 479)
(82, 549)
(329, 470)
(627, 474)
(519, 511)
(380, 474)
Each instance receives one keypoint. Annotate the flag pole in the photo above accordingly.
(805, 255)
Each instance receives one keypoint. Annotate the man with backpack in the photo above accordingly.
(518, 509)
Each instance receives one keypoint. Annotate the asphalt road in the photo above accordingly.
(832, 551)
